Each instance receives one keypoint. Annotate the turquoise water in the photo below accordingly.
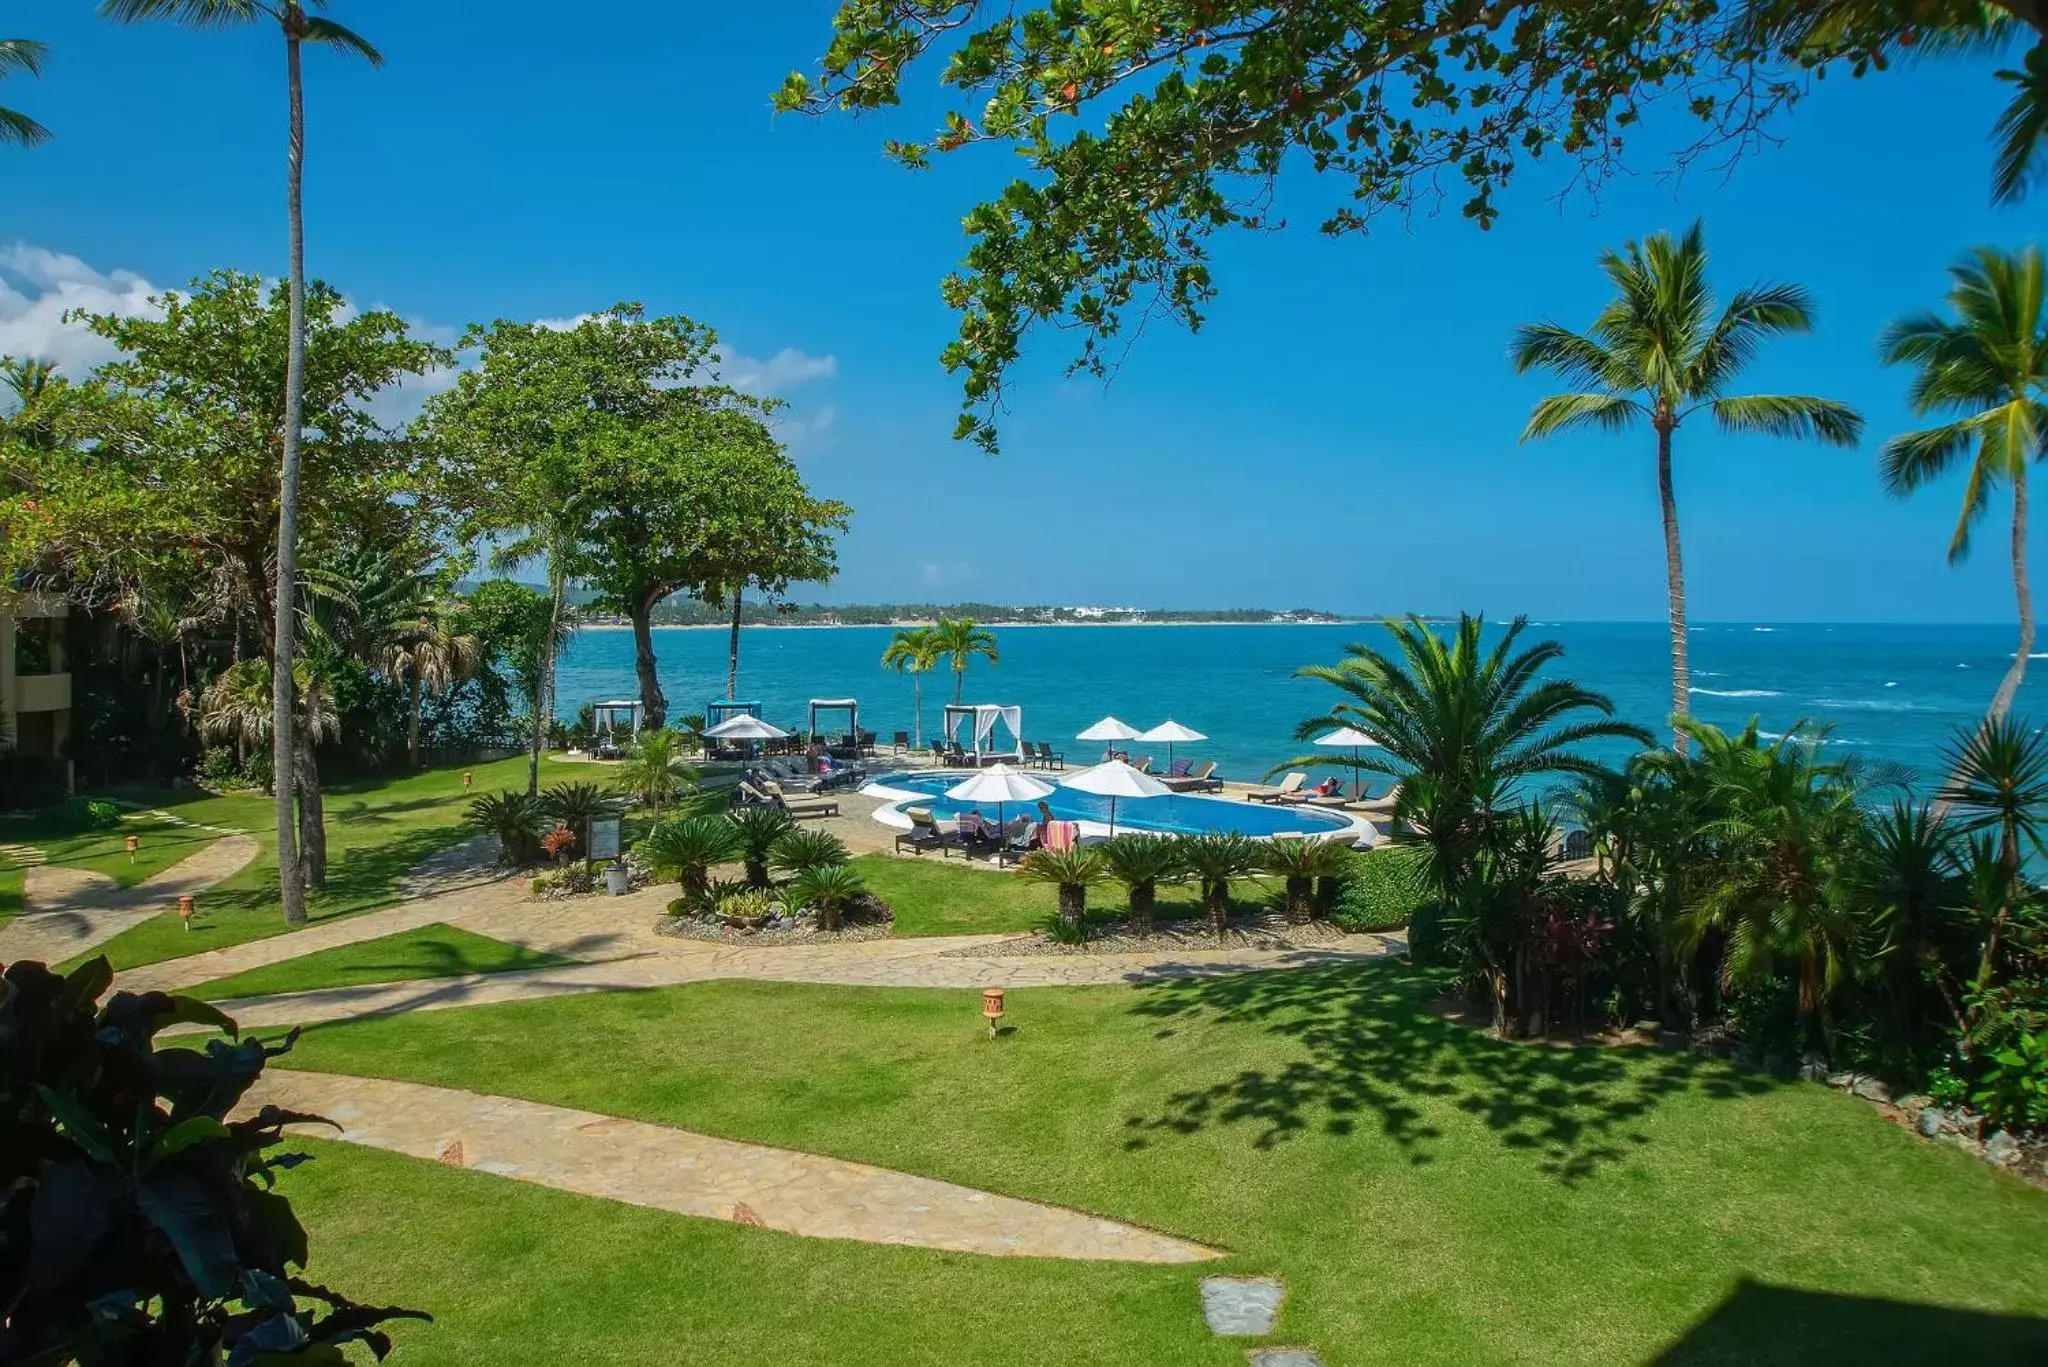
(1177, 812)
(1893, 693)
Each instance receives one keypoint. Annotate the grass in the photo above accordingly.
(99, 851)
(1428, 1194)
(936, 896)
(376, 832)
(431, 951)
(10, 894)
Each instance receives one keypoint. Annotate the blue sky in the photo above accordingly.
(1342, 434)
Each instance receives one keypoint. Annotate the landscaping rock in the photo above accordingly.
(1871, 1088)
(1841, 1080)
(1284, 1357)
(1241, 1307)
(1813, 1070)
(1932, 1121)
(2001, 1150)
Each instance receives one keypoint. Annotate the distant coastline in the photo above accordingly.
(610, 625)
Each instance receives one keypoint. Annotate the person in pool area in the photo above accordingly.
(1329, 787)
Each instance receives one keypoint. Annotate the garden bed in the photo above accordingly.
(1270, 931)
(867, 918)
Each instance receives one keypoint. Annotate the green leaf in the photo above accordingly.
(80, 1125)
(183, 1135)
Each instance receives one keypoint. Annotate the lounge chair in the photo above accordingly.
(968, 828)
(1382, 807)
(924, 834)
(901, 744)
(1200, 780)
(1020, 835)
(1280, 792)
(799, 806)
(1144, 764)
(1050, 760)
(1178, 769)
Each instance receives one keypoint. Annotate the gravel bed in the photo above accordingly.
(690, 928)
(1270, 932)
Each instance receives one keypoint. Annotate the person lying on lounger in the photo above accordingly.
(1329, 787)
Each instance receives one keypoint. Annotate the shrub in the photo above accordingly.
(827, 889)
(1215, 859)
(1300, 863)
(687, 849)
(1141, 863)
(758, 829)
(559, 843)
(747, 905)
(1073, 872)
(515, 818)
(576, 805)
(807, 849)
(654, 772)
(1387, 887)
(139, 1222)
(2014, 1091)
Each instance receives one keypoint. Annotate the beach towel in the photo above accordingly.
(1060, 836)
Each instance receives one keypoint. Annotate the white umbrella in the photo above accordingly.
(1346, 738)
(1171, 731)
(1109, 729)
(1114, 780)
(745, 726)
(999, 783)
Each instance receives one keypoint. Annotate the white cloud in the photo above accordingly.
(38, 287)
(784, 370)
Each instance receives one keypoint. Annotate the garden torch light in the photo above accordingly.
(992, 1007)
(186, 909)
(131, 844)
(466, 778)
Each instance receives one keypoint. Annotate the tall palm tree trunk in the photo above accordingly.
(1674, 580)
(312, 814)
(732, 663)
(917, 703)
(2008, 687)
(291, 881)
(412, 738)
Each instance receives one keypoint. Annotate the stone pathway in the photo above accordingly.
(18, 856)
(872, 963)
(69, 911)
(693, 1174)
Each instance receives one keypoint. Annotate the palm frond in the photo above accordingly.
(21, 130)
(1578, 359)
(1799, 416)
(327, 33)
(191, 13)
(24, 55)
(1564, 412)
(2021, 130)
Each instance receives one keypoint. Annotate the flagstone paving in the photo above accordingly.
(693, 1174)
(68, 911)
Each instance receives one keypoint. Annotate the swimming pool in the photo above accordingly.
(1176, 814)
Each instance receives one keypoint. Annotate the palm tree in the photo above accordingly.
(1659, 352)
(24, 55)
(1073, 872)
(914, 650)
(1141, 863)
(654, 770)
(1988, 372)
(960, 642)
(2022, 129)
(432, 658)
(298, 28)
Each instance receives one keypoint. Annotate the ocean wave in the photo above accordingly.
(1739, 692)
(1763, 628)
(1891, 683)
(2036, 655)
(1865, 705)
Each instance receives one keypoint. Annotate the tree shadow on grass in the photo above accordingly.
(1371, 1053)
(1759, 1324)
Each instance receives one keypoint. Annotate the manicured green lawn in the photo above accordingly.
(376, 832)
(937, 896)
(1427, 1194)
(100, 851)
(433, 951)
(10, 894)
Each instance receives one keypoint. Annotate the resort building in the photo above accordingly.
(35, 689)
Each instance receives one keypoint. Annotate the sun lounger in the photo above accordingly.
(1280, 792)
(971, 829)
(924, 834)
(1383, 806)
(1331, 800)
(1200, 780)
(1143, 764)
(799, 806)
(901, 743)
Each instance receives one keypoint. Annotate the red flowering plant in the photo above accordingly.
(559, 844)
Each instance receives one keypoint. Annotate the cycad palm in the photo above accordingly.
(915, 651)
(298, 29)
(1658, 353)
(959, 642)
(21, 55)
(1987, 371)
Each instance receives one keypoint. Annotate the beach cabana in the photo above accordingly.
(724, 709)
(851, 707)
(981, 720)
(743, 730)
(607, 719)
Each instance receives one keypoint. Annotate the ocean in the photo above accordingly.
(1891, 693)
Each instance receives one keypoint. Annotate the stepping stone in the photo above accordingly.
(1284, 1357)
(1241, 1307)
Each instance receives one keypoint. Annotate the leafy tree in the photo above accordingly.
(958, 641)
(235, 708)
(613, 443)
(915, 651)
(530, 630)
(298, 29)
(1073, 872)
(1987, 372)
(1660, 352)
(1145, 128)
(23, 55)
(142, 1222)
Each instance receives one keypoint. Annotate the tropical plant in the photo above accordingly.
(23, 56)
(1387, 887)
(2014, 1092)
(1462, 727)
(1998, 789)
(298, 28)
(654, 771)
(827, 889)
(2022, 128)
(1300, 863)
(913, 651)
(559, 843)
(515, 818)
(758, 829)
(1986, 371)
(692, 728)
(1658, 353)
(576, 805)
(1141, 863)
(143, 1224)
(1073, 872)
(1215, 858)
(687, 849)
(958, 642)
(807, 848)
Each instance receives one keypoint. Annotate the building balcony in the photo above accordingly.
(42, 693)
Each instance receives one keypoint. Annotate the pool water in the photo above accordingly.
(1176, 813)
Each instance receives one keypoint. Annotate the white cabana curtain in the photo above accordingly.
(985, 717)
